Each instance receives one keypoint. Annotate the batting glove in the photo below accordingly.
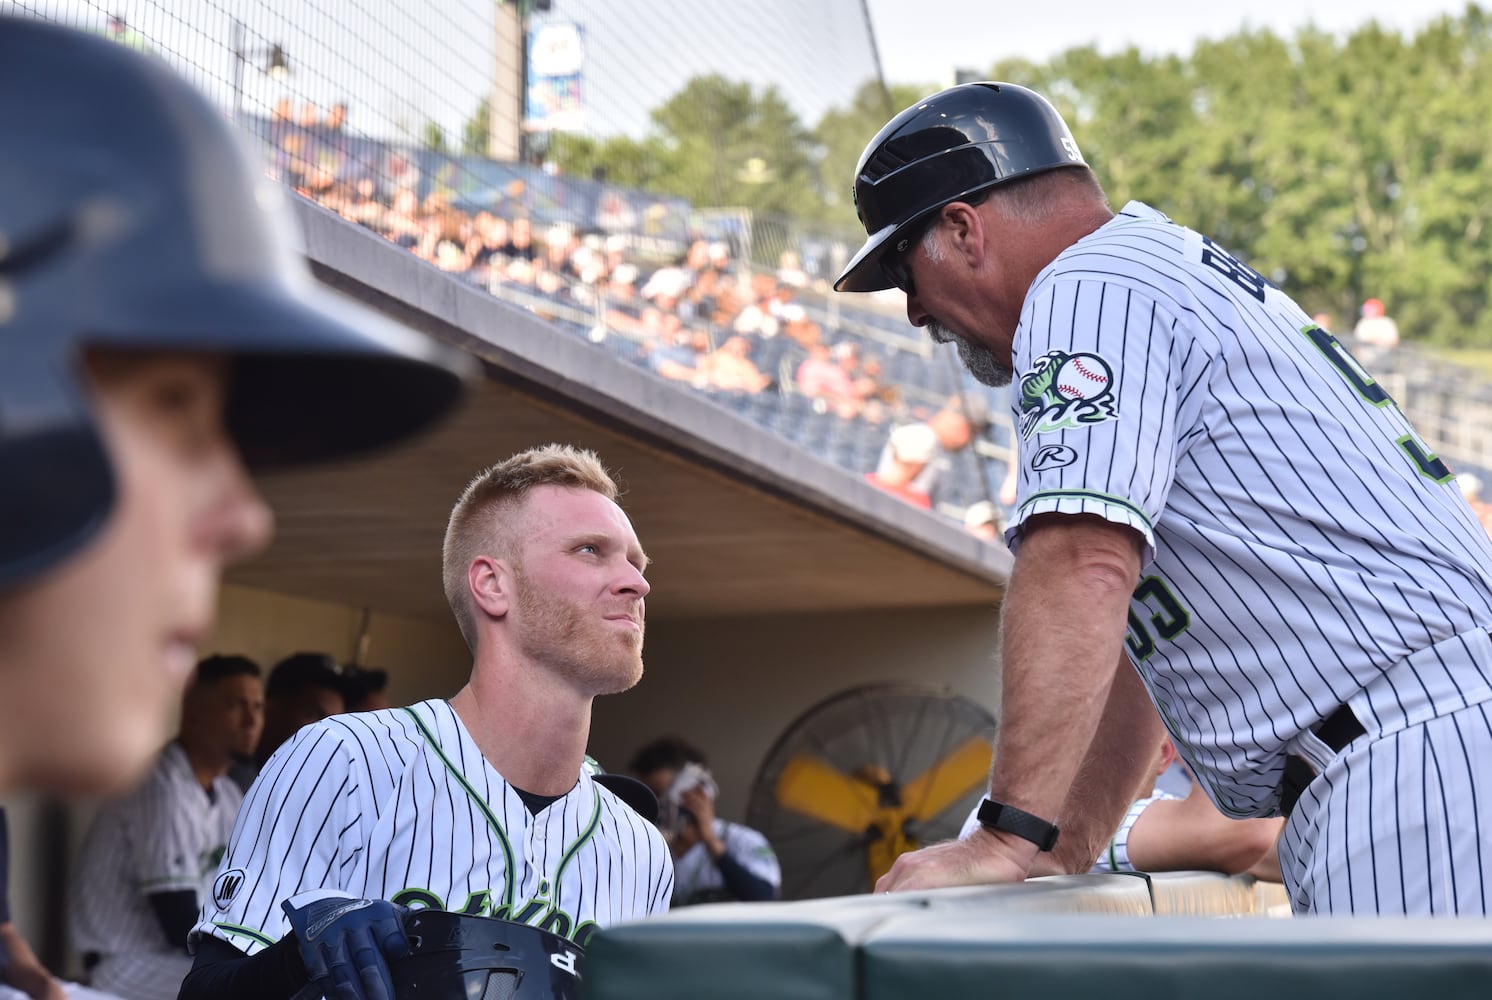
(346, 945)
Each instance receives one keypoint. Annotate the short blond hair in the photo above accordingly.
(475, 526)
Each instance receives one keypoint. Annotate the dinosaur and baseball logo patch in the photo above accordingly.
(1064, 391)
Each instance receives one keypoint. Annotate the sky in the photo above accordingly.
(925, 40)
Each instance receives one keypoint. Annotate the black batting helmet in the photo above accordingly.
(132, 217)
(944, 148)
(455, 955)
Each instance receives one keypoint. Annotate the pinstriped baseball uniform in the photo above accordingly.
(698, 878)
(1302, 550)
(167, 835)
(400, 804)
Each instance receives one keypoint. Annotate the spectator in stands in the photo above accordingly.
(1324, 320)
(880, 398)
(336, 118)
(983, 520)
(729, 368)
(917, 456)
(309, 117)
(714, 860)
(1375, 329)
(790, 270)
(676, 357)
(148, 861)
(757, 317)
(521, 247)
(488, 246)
(794, 322)
(824, 378)
(447, 241)
(402, 222)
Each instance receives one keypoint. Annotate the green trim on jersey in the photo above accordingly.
(509, 889)
(247, 932)
(585, 835)
(1110, 498)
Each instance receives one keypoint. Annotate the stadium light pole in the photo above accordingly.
(276, 63)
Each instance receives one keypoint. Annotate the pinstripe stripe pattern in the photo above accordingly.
(400, 804)
(1400, 824)
(165, 836)
(1295, 554)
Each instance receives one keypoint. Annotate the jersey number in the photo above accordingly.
(1429, 465)
(1169, 619)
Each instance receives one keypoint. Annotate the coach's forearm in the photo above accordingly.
(1119, 761)
(222, 972)
(1064, 620)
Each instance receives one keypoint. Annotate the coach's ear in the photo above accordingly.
(490, 582)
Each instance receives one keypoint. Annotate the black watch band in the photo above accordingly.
(999, 816)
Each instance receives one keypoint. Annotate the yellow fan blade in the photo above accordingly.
(945, 782)
(810, 786)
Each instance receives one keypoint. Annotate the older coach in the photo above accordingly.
(1218, 509)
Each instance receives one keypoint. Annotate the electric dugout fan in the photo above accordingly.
(865, 776)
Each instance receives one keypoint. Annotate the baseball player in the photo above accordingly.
(153, 341)
(714, 860)
(479, 804)
(149, 858)
(1211, 490)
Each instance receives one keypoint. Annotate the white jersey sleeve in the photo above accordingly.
(299, 828)
(1115, 857)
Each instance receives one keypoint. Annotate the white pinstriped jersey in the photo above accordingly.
(400, 804)
(698, 878)
(1299, 540)
(166, 836)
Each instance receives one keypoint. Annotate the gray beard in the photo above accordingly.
(980, 361)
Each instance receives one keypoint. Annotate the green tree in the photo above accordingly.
(434, 137)
(476, 133)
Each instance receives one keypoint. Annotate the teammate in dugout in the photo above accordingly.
(155, 339)
(1218, 510)
(478, 804)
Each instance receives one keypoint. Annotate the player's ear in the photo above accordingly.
(491, 584)
(965, 231)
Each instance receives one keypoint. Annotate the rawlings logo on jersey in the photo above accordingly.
(1063, 391)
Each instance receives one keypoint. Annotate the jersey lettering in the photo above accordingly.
(1169, 621)
(1427, 462)
(1233, 269)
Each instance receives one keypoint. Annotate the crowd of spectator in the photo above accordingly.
(701, 317)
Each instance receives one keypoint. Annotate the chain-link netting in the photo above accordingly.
(668, 178)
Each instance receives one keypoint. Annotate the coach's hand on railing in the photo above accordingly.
(980, 859)
(346, 945)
